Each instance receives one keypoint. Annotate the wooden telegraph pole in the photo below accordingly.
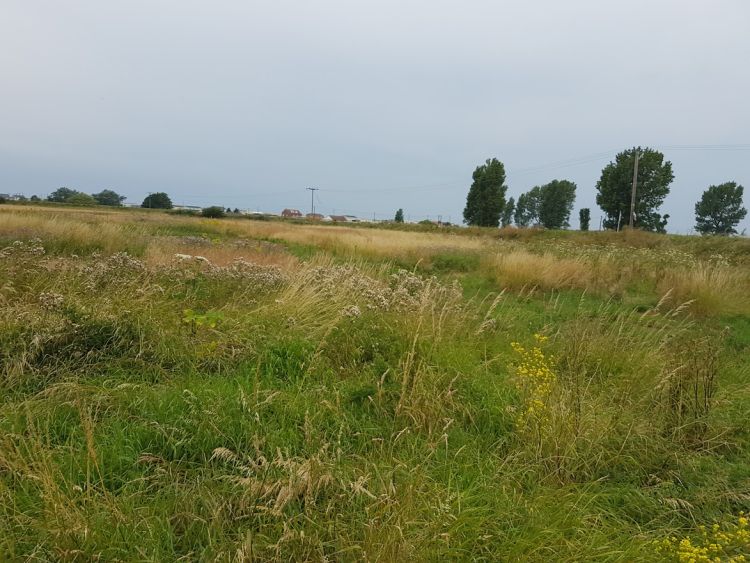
(312, 199)
(635, 184)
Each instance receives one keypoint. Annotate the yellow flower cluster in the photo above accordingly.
(535, 380)
(729, 542)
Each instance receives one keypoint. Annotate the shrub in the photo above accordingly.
(158, 200)
(213, 212)
(81, 199)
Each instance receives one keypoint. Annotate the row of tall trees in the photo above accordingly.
(156, 200)
(549, 205)
(719, 211)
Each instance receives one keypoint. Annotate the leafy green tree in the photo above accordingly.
(81, 198)
(61, 195)
(3, 199)
(720, 209)
(616, 183)
(158, 200)
(486, 198)
(527, 207)
(507, 216)
(584, 218)
(109, 197)
(555, 203)
(35, 198)
(399, 218)
(214, 212)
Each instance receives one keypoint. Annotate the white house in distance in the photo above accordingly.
(343, 219)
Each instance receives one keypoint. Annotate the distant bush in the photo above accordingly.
(61, 195)
(214, 212)
(81, 199)
(109, 197)
(158, 200)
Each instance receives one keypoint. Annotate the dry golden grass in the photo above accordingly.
(373, 243)
(68, 227)
(511, 263)
(113, 227)
(520, 268)
(710, 289)
(164, 251)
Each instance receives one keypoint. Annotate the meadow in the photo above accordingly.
(175, 388)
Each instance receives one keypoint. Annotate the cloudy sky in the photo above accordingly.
(380, 104)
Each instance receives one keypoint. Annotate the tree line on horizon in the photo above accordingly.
(719, 210)
(155, 200)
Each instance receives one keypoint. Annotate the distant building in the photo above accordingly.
(314, 217)
(339, 218)
(291, 213)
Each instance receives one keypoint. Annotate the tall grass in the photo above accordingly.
(252, 405)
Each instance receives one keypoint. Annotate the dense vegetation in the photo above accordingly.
(233, 390)
(720, 209)
(654, 176)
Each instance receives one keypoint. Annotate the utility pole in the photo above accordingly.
(312, 199)
(635, 184)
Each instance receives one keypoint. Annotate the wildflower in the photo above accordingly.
(352, 311)
(726, 541)
(50, 301)
(535, 380)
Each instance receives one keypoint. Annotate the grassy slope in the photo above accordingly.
(155, 411)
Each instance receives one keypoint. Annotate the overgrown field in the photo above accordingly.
(175, 388)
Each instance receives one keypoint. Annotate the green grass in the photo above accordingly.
(349, 411)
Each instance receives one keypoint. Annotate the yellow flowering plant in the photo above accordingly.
(726, 542)
(535, 380)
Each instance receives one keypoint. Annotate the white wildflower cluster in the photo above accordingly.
(670, 257)
(353, 311)
(719, 260)
(251, 273)
(403, 291)
(23, 249)
(50, 301)
(114, 269)
(187, 266)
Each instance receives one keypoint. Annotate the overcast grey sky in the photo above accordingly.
(381, 104)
